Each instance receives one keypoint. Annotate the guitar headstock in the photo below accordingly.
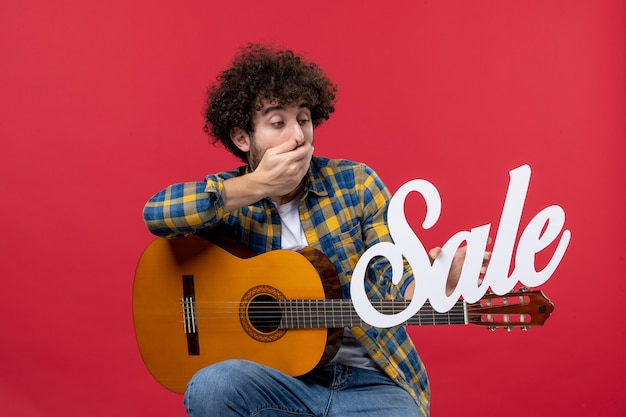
(522, 308)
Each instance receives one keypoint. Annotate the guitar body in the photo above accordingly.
(222, 287)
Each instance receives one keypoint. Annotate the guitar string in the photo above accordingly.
(306, 312)
(303, 311)
(272, 306)
(345, 305)
(323, 322)
(350, 320)
(346, 302)
(316, 307)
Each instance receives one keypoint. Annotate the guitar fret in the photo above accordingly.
(350, 315)
(354, 315)
(281, 323)
(465, 315)
(284, 317)
(432, 312)
(319, 314)
(306, 318)
(297, 314)
(291, 324)
(289, 313)
(338, 314)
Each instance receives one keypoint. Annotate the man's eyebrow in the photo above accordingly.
(272, 108)
(269, 109)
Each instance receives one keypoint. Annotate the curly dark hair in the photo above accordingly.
(261, 73)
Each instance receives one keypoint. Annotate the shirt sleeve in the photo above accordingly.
(185, 208)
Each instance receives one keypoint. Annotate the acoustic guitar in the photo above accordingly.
(196, 303)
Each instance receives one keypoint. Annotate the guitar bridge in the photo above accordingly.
(190, 323)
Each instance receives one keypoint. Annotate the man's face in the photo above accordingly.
(275, 124)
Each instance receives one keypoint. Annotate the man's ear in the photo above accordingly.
(240, 138)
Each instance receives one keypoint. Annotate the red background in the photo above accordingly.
(101, 106)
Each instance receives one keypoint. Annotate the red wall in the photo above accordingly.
(101, 106)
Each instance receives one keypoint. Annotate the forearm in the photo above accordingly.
(241, 191)
(185, 208)
(181, 209)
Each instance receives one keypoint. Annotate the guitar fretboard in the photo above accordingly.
(339, 313)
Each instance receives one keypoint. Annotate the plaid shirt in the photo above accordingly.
(343, 212)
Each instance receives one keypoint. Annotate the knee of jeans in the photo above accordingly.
(222, 378)
(212, 389)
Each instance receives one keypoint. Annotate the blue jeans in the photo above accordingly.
(243, 388)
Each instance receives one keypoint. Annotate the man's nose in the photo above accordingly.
(297, 133)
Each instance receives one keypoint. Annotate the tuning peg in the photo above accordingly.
(492, 328)
(508, 328)
(525, 328)
(524, 289)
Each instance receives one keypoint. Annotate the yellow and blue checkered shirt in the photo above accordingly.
(343, 212)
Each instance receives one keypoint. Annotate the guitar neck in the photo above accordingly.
(339, 313)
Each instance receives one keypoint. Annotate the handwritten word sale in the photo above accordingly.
(430, 280)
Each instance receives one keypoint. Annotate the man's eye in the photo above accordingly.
(277, 124)
(304, 122)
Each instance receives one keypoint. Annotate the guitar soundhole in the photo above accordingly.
(264, 314)
(260, 313)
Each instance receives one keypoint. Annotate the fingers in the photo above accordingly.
(289, 153)
(486, 258)
(290, 145)
(286, 154)
(434, 253)
(457, 264)
(283, 147)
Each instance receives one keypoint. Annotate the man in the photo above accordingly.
(264, 110)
